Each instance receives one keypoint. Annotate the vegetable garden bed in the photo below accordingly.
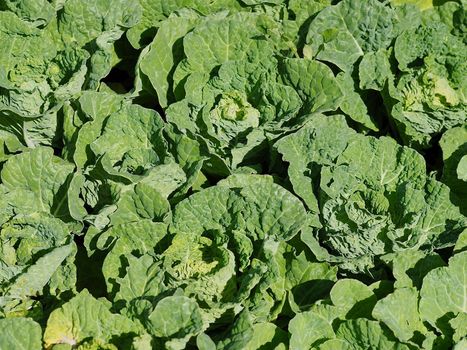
(233, 174)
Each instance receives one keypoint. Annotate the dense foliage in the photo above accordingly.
(233, 174)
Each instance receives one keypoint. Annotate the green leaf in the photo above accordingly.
(462, 169)
(458, 324)
(164, 53)
(339, 33)
(83, 21)
(95, 107)
(315, 83)
(354, 298)
(267, 335)
(330, 136)
(40, 173)
(83, 318)
(216, 41)
(35, 278)
(399, 311)
(461, 243)
(352, 103)
(443, 292)
(131, 137)
(20, 333)
(422, 4)
(137, 238)
(200, 267)
(176, 317)
(335, 344)
(33, 235)
(238, 335)
(142, 202)
(38, 12)
(37, 74)
(307, 328)
(185, 317)
(204, 342)
(454, 146)
(306, 281)
(367, 334)
(155, 12)
(266, 210)
(143, 279)
(305, 9)
(75, 203)
(411, 266)
(427, 99)
(374, 70)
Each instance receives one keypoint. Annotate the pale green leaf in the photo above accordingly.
(20, 333)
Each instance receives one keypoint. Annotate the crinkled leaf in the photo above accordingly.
(20, 333)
